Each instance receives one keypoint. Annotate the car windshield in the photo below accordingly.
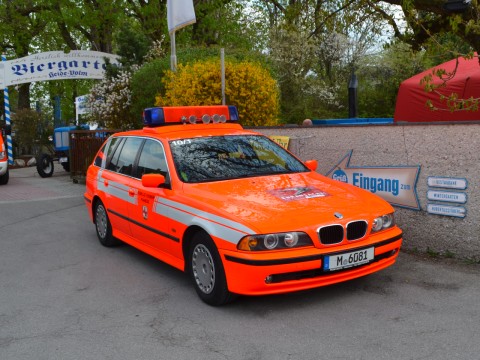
(216, 158)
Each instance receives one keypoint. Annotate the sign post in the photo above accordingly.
(6, 100)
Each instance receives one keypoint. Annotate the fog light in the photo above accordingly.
(269, 279)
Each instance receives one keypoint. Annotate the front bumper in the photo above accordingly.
(3, 167)
(260, 275)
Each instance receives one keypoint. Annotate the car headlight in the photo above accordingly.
(383, 222)
(275, 241)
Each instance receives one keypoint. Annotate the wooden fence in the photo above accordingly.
(84, 144)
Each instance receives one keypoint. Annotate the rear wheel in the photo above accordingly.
(103, 226)
(45, 165)
(4, 178)
(206, 271)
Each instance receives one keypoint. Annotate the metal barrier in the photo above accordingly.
(84, 144)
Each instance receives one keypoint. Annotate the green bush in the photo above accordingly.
(249, 86)
(146, 83)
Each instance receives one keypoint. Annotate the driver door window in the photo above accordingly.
(152, 159)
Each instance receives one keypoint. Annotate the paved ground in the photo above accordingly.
(26, 185)
(63, 296)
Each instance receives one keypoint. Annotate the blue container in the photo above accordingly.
(354, 121)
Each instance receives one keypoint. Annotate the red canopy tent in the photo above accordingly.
(412, 98)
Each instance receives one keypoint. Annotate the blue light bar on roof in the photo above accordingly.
(171, 115)
(154, 117)
(233, 113)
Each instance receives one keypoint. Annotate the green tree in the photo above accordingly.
(431, 17)
(31, 130)
(21, 22)
(380, 75)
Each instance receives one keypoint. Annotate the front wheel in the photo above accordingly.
(206, 271)
(103, 226)
(45, 165)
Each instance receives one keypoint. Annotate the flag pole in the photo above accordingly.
(173, 57)
(180, 13)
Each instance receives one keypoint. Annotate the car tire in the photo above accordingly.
(45, 165)
(4, 178)
(103, 226)
(206, 271)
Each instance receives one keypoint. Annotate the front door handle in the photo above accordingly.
(131, 192)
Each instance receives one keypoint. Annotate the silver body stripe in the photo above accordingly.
(116, 189)
(217, 226)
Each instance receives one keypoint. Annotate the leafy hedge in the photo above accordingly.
(249, 86)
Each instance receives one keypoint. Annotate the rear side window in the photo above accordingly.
(112, 146)
(100, 156)
(124, 156)
(114, 153)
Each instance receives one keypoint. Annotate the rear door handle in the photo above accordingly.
(105, 182)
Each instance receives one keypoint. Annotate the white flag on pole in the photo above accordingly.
(180, 13)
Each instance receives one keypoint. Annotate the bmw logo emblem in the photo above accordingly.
(338, 215)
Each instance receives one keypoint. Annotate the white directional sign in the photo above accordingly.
(447, 210)
(447, 196)
(395, 184)
(447, 183)
(81, 105)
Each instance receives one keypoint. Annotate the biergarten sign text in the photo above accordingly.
(55, 65)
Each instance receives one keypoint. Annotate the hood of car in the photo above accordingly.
(287, 202)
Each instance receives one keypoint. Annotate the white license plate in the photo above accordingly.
(63, 160)
(350, 259)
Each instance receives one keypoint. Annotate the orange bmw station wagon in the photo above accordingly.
(234, 210)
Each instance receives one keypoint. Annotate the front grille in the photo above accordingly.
(356, 230)
(332, 234)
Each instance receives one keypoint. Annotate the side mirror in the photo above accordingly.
(153, 180)
(311, 164)
(7, 130)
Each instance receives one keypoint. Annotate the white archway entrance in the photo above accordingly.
(51, 65)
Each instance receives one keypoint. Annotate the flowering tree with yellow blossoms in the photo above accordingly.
(249, 87)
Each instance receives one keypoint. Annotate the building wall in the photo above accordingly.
(441, 150)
